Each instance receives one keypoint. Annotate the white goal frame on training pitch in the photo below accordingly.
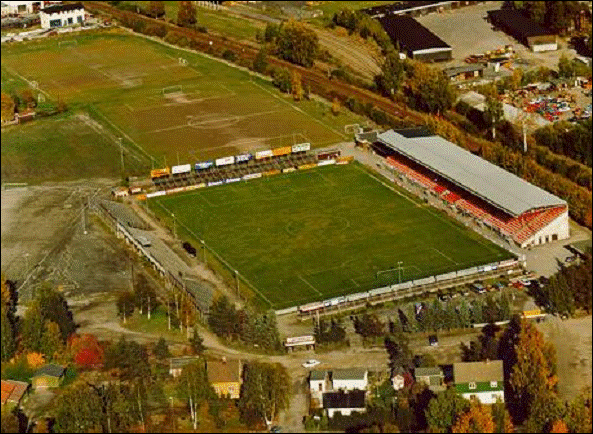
(177, 88)
(182, 61)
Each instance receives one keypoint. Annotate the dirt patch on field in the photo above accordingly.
(572, 339)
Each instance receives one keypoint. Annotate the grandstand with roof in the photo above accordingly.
(517, 210)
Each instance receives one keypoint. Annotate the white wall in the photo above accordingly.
(351, 384)
(559, 227)
(63, 16)
(544, 47)
(345, 411)
(486, 397)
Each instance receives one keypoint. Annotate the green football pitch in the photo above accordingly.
(316, 234)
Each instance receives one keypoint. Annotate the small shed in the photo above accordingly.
(48, 376)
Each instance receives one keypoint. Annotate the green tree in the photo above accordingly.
(193, 386)
(197, 343)
(54, 307)
(51, 341)
(260, 63)
(8, 107)
(281, 79)
(392, 74)
(145, 296)
(494, 113)
(33, 328)
(125, 305)
(8, 337)
(161, 350)
(297, 44)
(186, 15)
(77, 409)
(429, 89)
(566, 68)
(222, 317)
(156, 9)
(444, 409)
(536, 11)
(545, 409)
(578, 412)
(264, 393)
(271, 33)
(129, 357)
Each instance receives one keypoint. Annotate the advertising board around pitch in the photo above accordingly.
(183, 168)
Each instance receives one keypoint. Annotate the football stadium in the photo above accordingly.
(298, 233)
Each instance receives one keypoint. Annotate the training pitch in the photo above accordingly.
(316, 234)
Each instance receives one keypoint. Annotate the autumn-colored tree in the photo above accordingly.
(156, 9)
(86, 351)
(558, 426)
(516, 78)
(35, 360)
(444, 409)
(28, 98)
(296, 86)
(336, 106)
(297, 43)
(478, 419)
(32, 328)
(429, 89)
(186, 15)
(7, 107)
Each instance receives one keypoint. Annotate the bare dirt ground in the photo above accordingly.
(572, 339)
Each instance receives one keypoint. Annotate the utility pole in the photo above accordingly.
(121, 150)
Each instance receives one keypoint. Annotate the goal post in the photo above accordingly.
(178, 88)
(182, 61)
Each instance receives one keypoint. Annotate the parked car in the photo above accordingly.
(276, 428)
(499, 286)
(479, 288)
(433, 341)
(311, 363)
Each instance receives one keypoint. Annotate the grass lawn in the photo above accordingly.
(216, 21)
(217, 111)
(58, 148)
(312, 235)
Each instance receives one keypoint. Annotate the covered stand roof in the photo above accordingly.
(483, 179)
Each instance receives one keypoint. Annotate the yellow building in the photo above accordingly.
(225, 377)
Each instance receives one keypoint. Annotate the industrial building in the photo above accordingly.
(517, 210)
(524, 29)
(415, 40)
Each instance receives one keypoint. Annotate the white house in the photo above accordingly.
(482, 380)
(62, 15)
(15, 8)
(350, 379)
(345, 403)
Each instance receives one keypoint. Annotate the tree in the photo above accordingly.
(35, 360)
(193, 387)
(578, 412)
(545, 409)
(494, 112)
(77, 410)
(51, 340)
(155, 9)
(264, 393)
(197, 343)
(222, 317)
(566, 67)
(444, 409)
(297, 43)
(86, 350)
(536, 11)
(558, 426)
(186, 15)
(129, 358)
(502, 418)
(125, 305)
(392, 74)
(8, 335)
(33, 328)
(54, 307)
(429, 89)
(145, 296)
(271, 33)
(260, 63)
(478, 419)
(369, 325)
(296, 86)
(10, 421)
(336, 106)
(281, 79)
(534, 373)
(516, 78)
(8, 107)
(161, 350)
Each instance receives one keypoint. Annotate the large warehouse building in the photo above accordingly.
(517, 210)
(414, 39)
(524, 29)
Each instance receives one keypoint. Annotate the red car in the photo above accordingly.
(518, 285)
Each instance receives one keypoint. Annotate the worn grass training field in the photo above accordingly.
(210, 109)
(325, 232)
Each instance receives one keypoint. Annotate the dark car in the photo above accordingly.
(433, 340)
(191, 250)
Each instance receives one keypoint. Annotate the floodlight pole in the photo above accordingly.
(174, 225)
(121, 150)
(204, 251)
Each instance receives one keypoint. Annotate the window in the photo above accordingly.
(320, 387)
(79, 19)
(55, 23)
(70, 20)
(493, 384)
(472, 385)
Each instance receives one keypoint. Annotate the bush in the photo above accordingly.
(229, 55)
(202, 29)
(156, 30)
(172, 38)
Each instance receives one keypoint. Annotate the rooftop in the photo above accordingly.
(349, 374)
(353, 399)
(410, 34)
(12, 391)
(180, 362)
(50, 370)
(428, 372)
(228, 371)
(518, 23)
(317, 375)
(62, 8)
(486, 180)
(450, 72)
(489, 370)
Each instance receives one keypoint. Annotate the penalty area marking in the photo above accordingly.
(311, 286)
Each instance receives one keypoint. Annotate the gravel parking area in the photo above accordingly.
(467, 32)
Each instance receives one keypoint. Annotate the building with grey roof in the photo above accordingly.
(530, 215)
